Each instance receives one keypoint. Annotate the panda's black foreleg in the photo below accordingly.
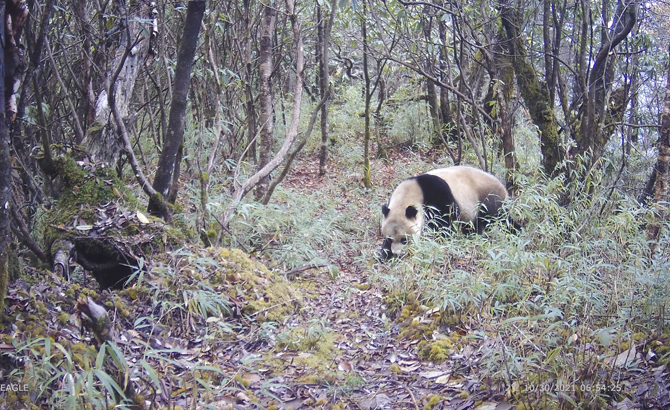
(481, 223)
(386, 252)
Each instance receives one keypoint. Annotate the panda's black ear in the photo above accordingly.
(385, 210)
(411, 212)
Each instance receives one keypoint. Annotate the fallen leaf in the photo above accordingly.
(443, 379)
(375, 401)
(251, 377)
(432, 375)
(143, 219)
(410, 369)
(627, 357)
(344, 366)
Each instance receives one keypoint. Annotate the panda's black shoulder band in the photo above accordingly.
(436, 193)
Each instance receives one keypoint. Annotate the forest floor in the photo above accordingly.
(358, 358)
(346, 343)
(356, 351)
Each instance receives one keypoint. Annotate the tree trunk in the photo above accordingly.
(431, 89)
(291, 131)
(502, 71)
(592, 137)
(534, 94)
(5, 176)
(265, 96)
(292, 155)
(248, 90)
(661, 189)
(324, 83)
(449, 129)
(102, 142)
(11, 70)
(176, 122)
(368, 97)
(434, 107)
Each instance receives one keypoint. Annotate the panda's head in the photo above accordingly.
(402, 218)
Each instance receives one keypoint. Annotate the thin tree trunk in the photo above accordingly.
(431, 89)
(248, 90)
(218, 131)
(661, 189)
(546, 34)
(292, 155)
(368, 97)
(324, 85)
(592, 136)
(449, 129)
(291, 131)
(505, 71)
(265, 96)
(176, 123)
(5, 178)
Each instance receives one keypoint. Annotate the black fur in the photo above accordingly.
(386, 253)
(440, 208)
(410, 212)
(484, 214)
(438, 201)
(385, 210)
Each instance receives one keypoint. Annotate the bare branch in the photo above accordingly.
(292, 130)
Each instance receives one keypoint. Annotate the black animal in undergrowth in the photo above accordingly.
(437, 199)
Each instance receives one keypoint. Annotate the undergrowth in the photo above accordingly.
(187, 305)
(559, 302)
(554, 311)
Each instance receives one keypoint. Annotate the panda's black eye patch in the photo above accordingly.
(411, 212)
(403, 241)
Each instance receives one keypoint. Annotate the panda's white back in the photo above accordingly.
(470, 186)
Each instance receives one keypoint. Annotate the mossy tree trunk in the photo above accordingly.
(498, 100)
(10, 72)
(5, 181)
(368, 98)
(535, 95)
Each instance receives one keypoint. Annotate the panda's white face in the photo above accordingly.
(399, 223)
(401, 233)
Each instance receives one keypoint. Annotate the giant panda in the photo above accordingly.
(438, 198)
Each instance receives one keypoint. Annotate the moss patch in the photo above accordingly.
(270, 297)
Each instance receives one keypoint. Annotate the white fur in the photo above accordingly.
(469, 186)
(396, 225)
